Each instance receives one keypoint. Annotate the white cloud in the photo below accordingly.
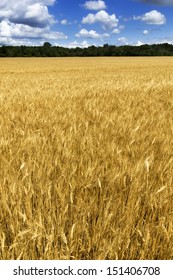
(152, 17)
(29, 12)
(36, 15)
(95, 5)
(75, 44)
(27, 21)
(123, 40)
(146, 32)
(139, 43)
(168, 40)
(64, 22)
(107, 21)
(105, 35)
(116, 31)
(92, 34)
(18, 42)
(159, 2)
(10, 31)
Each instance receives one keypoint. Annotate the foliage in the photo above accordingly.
(47, 50)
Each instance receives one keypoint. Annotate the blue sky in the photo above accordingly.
(72, 23)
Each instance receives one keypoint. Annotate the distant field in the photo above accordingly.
(86, 158)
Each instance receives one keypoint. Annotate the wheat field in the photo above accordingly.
(86, 158)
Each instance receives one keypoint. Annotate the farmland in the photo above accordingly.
(86, 158)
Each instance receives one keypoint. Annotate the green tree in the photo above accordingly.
(47, 45)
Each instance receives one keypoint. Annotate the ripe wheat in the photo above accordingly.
(86, 158)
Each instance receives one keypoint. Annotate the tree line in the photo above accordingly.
(47, 50)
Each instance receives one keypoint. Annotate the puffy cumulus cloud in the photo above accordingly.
(27, 22)
(92, 34)
(146, 32)
(123, 40)
(48, 2)
(28, 12)
(138, 43)
(64, 21)
(16, 32)
(159, 2)
(36, 15)
(118, 30)
(95, 5)
(75, 44)
(10, 3)
(107, 21)
(67, 22)
(168, 40)
(18, 42)
(152, 17)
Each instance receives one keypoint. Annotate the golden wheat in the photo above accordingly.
(86, 163)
